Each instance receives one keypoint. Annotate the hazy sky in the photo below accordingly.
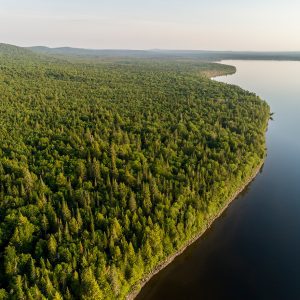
(147, 24)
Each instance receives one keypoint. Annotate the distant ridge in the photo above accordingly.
(158, 53)
(92, 52)
(11, 50)
(204, 55)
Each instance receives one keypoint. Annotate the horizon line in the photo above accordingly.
(153, 49)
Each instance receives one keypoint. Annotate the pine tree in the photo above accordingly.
(18, 288)
(132, 202)
(90, 289)
(146, 198)
(52, 245)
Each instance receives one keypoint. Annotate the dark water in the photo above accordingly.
(253, 250)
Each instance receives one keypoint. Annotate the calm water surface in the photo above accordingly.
(253, 250)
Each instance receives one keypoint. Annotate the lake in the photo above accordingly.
(253, 250)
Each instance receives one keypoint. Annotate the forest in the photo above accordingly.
(108, 167)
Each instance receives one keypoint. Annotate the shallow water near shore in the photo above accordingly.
(252, 250)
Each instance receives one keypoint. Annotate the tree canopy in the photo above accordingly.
(108, 167)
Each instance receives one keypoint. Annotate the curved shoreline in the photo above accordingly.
(132, 295)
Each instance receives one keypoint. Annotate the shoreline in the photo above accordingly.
(132, 295)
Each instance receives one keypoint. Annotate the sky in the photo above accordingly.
(265, 25)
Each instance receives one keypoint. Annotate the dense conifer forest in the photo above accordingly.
(108, 167)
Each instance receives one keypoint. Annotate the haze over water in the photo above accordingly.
(253, 250)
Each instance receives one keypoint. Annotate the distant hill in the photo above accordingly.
(235, 55)
(11, 50)
(203, 55)
(68, 51)
(24, 56)
(157, 53)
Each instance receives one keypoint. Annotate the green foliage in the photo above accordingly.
(108, 168)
